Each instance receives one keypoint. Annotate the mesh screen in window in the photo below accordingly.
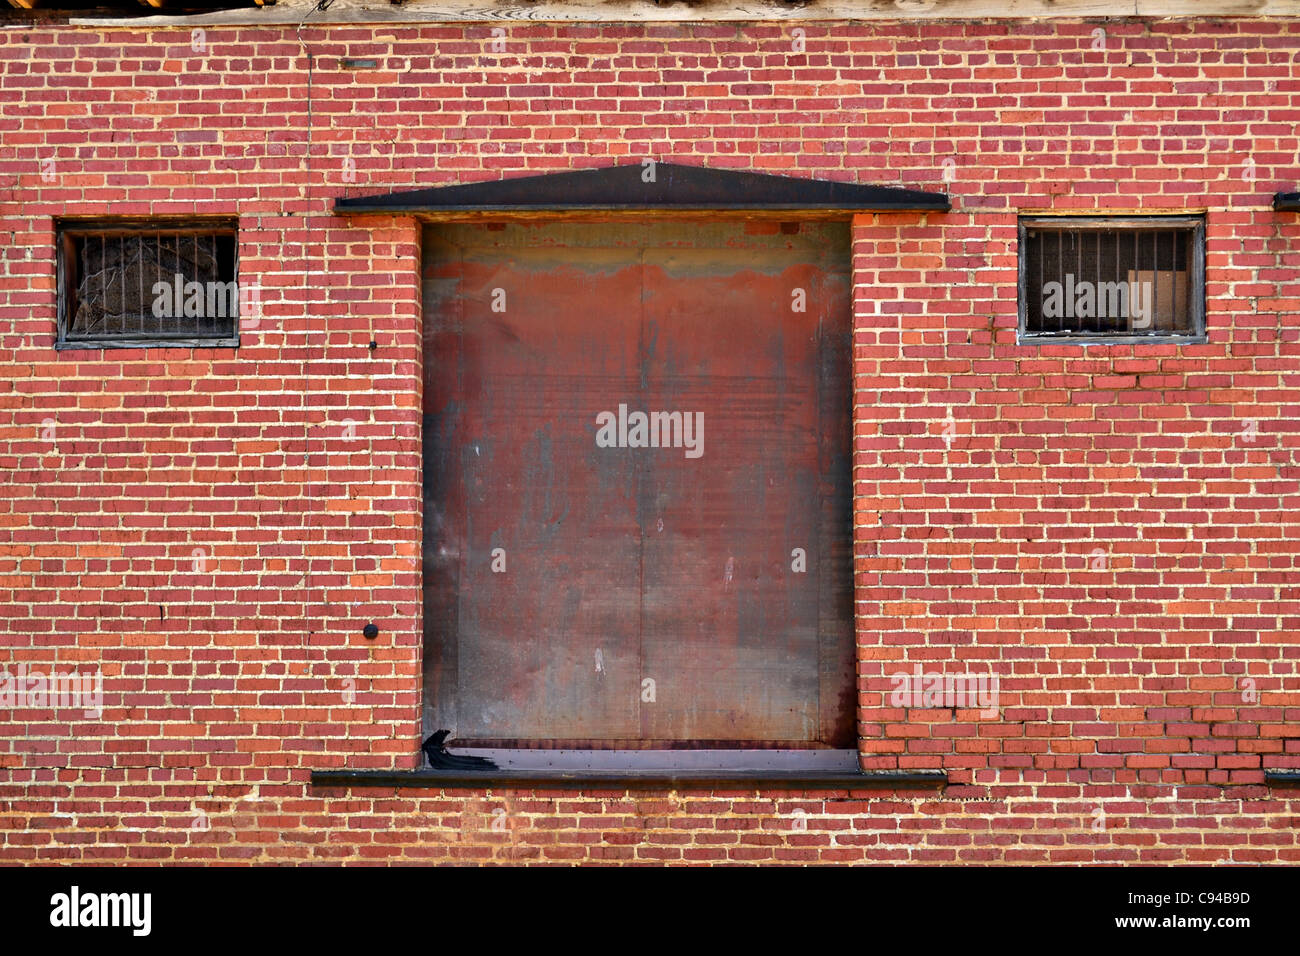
(142, 285)
(1133, 278)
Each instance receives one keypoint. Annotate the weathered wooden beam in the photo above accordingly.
(628, 11)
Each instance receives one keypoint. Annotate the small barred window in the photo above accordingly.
(1112, 279)
(147, 284)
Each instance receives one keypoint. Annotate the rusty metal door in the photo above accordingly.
(594, 582)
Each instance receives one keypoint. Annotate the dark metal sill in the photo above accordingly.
(1282, 778)
(634, 779)
(199, 342)
(1048, 338)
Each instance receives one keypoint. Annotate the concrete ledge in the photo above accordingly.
(633, 779)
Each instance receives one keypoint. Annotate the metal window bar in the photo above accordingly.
(1121, 277)
(1176, 284)
(103, 261)
(1060, 263)
(1155, 283)
(238, 287)
(139, 275)
(1136, 269)
(1076, 240)
(1040, 240)
(1096, 273)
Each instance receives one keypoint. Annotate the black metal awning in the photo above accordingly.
(1287, 202)
(645, 187)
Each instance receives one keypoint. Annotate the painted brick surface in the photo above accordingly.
(1112, 531)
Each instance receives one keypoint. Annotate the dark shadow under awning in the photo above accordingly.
(664, 187)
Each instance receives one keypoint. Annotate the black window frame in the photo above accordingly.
(1111, 223)
(69, 229)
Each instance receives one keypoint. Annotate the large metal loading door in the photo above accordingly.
(597, 580)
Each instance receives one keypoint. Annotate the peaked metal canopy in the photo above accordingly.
(663, 187)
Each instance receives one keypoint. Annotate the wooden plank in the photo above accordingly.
(630, 11)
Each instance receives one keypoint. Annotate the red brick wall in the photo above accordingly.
(211, 528)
